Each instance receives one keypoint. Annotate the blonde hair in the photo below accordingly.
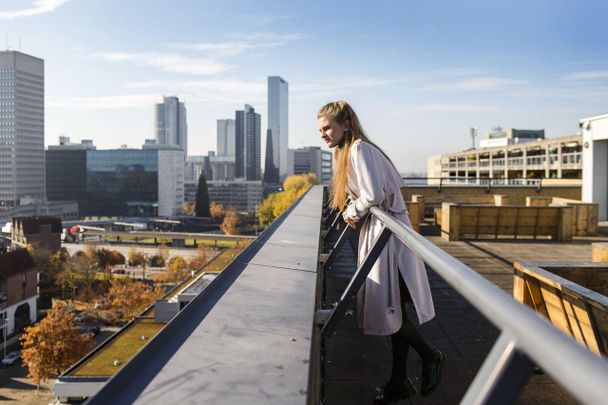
(343, 114)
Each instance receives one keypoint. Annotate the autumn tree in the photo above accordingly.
(136, 257)
(231, 222)
(275, 204)
(176, 271)
(203, 255)
(52, 345)
(217, 211)
(48, 264)
(131, 297)
(188, 208)
(163, 251)
(202, 198)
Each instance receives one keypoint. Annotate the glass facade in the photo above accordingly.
(122, 182)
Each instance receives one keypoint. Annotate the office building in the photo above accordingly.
(170, 123)
(18, 290)
(313, 159)
(277, 135)
(515, 157)
(247, 146)
(226, 137)
(21, 129)
(118, 182)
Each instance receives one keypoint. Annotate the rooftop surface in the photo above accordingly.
(356, 364)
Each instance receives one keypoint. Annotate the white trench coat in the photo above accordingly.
(373, 180)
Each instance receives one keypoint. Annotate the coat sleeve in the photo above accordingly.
(369, 179)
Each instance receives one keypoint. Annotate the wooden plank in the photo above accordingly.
(555, 308)
(538, 302)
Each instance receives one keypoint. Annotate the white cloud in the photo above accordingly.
(37, 7)
(587, 75)
(120, 101)
(455, 107)
(167, 62)
(246, 42)
(475, 84)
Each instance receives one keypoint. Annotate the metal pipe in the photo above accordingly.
(574, 367)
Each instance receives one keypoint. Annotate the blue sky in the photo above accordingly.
(419, 74)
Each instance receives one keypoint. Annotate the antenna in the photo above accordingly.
(473, 132)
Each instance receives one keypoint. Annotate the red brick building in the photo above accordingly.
(18, 290)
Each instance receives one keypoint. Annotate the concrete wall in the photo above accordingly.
(595, 163)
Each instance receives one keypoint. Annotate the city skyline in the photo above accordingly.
(424, 72)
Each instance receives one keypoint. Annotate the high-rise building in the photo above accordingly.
(247, 146)
(170, 123)
(226, 137)
(277, 135)
(21, 128)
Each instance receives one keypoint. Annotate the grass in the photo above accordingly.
(122, 348)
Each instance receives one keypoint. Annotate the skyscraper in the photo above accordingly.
(226, 137)
(21, 128)
(247, 145)
(170, 123)
(278, 130)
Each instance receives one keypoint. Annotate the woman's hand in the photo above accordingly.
(352, 222)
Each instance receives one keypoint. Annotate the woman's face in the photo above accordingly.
(331, 132)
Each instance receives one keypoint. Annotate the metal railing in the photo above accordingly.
(526, 338)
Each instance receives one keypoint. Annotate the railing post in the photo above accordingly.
(355, 284)
(338, 245)
(502, 376)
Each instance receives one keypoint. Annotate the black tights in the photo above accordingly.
(404, 338)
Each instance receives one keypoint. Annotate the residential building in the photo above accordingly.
(277, 135)
(43, 231)
(18, 291)
(247, 145)
(170, 123)
(313, 159)
(21, 128)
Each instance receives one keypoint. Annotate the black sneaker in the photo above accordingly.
(394, 392)
(431, 374)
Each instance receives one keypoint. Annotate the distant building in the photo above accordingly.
(18, 290)
(222, 168)
(247, 146)
(313, 159)
(241, 195)
(510, 136)
(197, 165)
(277, 135)
(43, 231)
(21, 128)
(523, 158)
(226, 137)
(118, 182)
(170, 123)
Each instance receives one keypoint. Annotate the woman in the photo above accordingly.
(363, 171)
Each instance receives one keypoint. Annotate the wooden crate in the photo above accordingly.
(573, 296)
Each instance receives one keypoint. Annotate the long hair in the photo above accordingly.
(344, 115)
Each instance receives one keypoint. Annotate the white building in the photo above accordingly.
(226, 138)
(170, 123)
(21, 128)
(517, 157)
(595, 162)
(276, 167)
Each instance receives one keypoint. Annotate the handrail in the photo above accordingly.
(574, 367)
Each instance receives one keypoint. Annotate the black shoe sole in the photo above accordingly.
(439, 373)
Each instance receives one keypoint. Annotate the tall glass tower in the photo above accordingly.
(277, 135)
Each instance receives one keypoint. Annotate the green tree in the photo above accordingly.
(202, 198)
